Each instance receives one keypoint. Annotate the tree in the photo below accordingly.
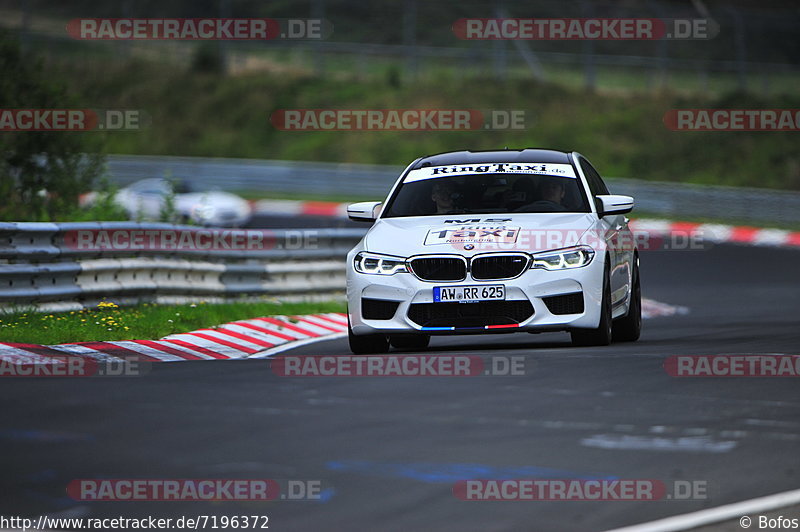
(42, 174)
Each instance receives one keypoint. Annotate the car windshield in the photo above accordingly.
(163, 187)
(487, 193)
(157, 187)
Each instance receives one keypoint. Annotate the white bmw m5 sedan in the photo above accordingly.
(494, 242)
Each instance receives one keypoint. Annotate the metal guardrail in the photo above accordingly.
(675, 200)
(256, 174)
(757, 206)
(43, 266)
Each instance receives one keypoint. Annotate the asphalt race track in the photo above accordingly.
(388, 450)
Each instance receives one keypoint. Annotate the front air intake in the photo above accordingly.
(470, 314)
(498, 267)
(378, 309)
(565, 304)
(439, 268)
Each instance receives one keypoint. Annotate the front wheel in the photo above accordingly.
(629, 327)
(602, 334)
(367, 344)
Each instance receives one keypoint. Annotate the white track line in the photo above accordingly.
(88, 352)
(336, 317)
(304, 323)
(185, 349)
(148, 351)
(220, 334)
(13, 355)
(715, 515)
(263, 335)
(221, 349)
(291, 345)
(272, 327)
(323, 322)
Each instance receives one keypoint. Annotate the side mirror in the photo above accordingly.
(365, 211)
(614, 204)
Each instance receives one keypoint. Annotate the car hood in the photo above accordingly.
(469, 235)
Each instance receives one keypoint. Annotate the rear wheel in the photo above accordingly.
(367, 344)
(629, 327)
(602, 334)
(410, 341)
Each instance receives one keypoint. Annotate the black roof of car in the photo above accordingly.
(527, 155)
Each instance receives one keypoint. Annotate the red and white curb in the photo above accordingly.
(657, 309)
(243, 339)
(720, 233)
(716, 233)
(254, 338)
(299, 208)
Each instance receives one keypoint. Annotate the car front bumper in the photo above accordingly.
(533, 286)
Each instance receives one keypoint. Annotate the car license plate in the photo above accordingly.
(468, 293)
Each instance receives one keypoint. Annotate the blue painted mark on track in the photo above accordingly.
(326, 494)
(436, 473)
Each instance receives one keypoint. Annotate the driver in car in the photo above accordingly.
(551, 196)
(443, 195)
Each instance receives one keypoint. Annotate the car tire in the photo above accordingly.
(410, 341)
(602, 334)
(629, 327)
(367, 344)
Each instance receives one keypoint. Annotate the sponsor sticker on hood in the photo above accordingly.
(472, 234)
(432, 172)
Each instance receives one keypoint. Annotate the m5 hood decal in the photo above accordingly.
(472, 234)
(404, 237)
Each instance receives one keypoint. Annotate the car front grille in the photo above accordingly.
(378, 309)
(501, 266)
(439, 268)
(470, 314)
(565, 304)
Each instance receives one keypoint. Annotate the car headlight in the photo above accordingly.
(561, 259)
(379, 264)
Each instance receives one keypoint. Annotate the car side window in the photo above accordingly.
(596, 184)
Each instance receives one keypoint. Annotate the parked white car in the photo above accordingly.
(495, 241)
(147, 199)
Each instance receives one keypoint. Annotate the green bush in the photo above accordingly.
(42, 174)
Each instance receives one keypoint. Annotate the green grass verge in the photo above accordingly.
(143, 322)
(198, 114)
